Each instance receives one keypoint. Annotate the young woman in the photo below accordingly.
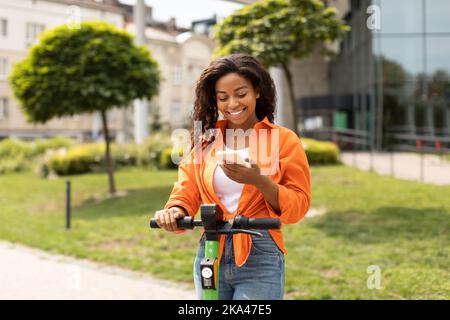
(274, 182)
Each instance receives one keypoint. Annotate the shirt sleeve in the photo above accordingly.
(185, 192)
(294, 195)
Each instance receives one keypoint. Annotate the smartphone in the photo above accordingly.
(230, 156)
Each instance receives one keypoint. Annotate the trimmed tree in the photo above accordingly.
(277, 31)
(93, 68)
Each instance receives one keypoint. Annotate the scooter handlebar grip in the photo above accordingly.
(264, 223)
(182, 223)
(153, 224)
(242, 222)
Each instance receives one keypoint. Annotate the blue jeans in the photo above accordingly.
(260, 278)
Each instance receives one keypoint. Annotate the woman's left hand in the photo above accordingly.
(249, 174)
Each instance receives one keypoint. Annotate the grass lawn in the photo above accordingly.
(402, 227)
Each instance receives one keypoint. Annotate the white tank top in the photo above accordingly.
(228, 191)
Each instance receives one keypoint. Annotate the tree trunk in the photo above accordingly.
(288, 74)
(109, 168)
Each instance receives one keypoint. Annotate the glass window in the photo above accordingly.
(3, 108)
(438, 85)
(313, 123)
(401, 16)
(439, 116)
(437, 13)
(402, 106)
(403, 57)
(438, 54)
(32, 32)
(340, 120)
(3, 27)
(438, 80)
(175, 109)
(420, 119)
(176, 75)
(193, 73)
(4, 67)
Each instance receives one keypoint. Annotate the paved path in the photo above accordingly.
(403, 165)
(27, 273)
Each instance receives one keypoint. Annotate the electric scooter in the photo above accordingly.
(213, 224)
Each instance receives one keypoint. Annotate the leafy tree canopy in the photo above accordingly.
(76, 70)
(275, 31)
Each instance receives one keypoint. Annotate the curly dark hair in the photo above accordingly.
(205, 105)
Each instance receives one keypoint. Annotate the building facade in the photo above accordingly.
(389, 85)
(180, 53)
(21, 22)
(181, 58)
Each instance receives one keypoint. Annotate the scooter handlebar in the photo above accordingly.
(239, 222)
(242, 222)
(182, 223)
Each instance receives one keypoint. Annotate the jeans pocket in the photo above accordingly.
(265, 245)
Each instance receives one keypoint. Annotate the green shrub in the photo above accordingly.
(321, 152)
(153, 147)
(16, 164)
(18, 155)
(12, 148)
(166, 162)
(63, 156)
(80, 159)
(90, 157)
(126, 154)
(40, 146)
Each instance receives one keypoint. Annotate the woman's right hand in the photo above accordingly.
(166, 218)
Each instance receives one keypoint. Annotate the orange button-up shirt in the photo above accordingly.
(289, 169)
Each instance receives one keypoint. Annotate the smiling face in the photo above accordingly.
(236, 100)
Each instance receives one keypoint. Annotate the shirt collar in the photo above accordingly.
(222, 124)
